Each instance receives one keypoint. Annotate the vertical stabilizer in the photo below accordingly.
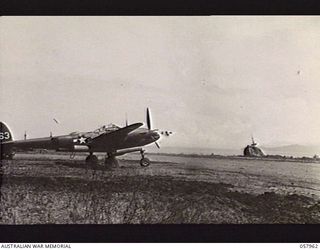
(5, 134)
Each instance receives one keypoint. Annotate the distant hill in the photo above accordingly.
(204, 151)
(288, 150)
(294, 150)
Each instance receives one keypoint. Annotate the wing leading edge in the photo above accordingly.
(113, 139)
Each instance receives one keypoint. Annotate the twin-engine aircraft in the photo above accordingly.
(111, 139)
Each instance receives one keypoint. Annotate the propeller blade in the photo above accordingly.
(148, 119)
(166, 133)
(157, 144)
(126, 120)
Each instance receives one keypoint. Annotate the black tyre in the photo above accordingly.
(7, 156)
(111, 162)
(92, 159)
(144, 162)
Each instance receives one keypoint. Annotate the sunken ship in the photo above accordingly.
(253, 150)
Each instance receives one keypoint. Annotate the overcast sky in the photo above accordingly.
(213, 80)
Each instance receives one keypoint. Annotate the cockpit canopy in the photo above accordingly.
(107, 128)
(103, 129)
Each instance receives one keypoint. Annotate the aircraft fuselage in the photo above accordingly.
(80, 142)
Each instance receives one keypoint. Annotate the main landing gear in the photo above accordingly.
(111, 161)
(92, 159)
(7, 156)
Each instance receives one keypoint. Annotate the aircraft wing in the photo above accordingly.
(113, 139)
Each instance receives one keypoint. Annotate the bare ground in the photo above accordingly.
(64, 191)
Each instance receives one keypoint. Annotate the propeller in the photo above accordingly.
(126, 120)
(148, 119)
(166, 133)
(150, 126)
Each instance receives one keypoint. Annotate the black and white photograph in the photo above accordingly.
(160, 120)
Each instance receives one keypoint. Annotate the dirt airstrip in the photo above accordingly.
(62, 191)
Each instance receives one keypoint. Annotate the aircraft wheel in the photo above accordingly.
(111, 162)
(92, 159)
(7, 156)
(144, 162)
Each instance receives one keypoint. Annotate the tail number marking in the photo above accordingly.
(4, 135)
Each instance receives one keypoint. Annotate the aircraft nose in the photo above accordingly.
(155, 136)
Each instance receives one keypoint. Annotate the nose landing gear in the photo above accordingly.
(144, 162)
